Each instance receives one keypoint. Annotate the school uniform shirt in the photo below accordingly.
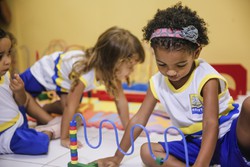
(10, 116)
(185, 105)
(52, 71)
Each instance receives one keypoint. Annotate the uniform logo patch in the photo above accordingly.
(196, 105)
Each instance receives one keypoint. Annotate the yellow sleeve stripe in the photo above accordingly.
(211, 77)
(84, 81)
(152, 88)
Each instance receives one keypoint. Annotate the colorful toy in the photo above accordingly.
(73, 142)
(49, 95)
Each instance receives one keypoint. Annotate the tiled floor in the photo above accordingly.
(59, 156)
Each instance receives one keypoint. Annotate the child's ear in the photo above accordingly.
(197, 52)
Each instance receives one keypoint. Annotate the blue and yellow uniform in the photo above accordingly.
(52, 71)
(185, 109)
(15, 136)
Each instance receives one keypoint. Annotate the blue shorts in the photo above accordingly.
(227, 152)
(28, 141)
(31, 84)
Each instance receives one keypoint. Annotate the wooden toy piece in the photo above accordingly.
(73, 143)
(49, 95)
(159, 161)
(73, 148)
(93, 164)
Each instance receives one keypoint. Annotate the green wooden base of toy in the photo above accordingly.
(43, 96)
(159, 161)
(93, 164)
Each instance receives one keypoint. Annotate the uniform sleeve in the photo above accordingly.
(152, 87)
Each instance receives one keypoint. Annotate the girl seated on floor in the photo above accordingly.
(15, 135)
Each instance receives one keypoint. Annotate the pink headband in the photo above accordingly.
(189, 33)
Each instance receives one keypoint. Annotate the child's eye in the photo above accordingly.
(162, 65)
(1, 55)
(181, 65)
(10, 52)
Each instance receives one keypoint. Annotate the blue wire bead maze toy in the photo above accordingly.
(73, 142)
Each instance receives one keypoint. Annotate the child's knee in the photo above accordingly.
(144, 151)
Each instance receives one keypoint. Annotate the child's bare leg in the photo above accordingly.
(63, 100)
(55, 107)
(158, 151)
(36, 111)
(243, 129)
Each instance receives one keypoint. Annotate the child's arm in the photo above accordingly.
(17, 87)
(210, 123)
(122, 107)
(34, 110)
(70, 103)
(141, 117)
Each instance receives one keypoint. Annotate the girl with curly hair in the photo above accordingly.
(194, 95)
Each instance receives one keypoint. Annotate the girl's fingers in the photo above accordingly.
(17, 80)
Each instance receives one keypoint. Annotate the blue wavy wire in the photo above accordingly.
(132, 138)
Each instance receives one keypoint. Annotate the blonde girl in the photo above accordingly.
(108, 63)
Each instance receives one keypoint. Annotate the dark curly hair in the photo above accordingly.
(176, 18)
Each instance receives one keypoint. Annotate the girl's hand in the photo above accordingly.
(16, 84)
(66, 143)
(17, 87)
